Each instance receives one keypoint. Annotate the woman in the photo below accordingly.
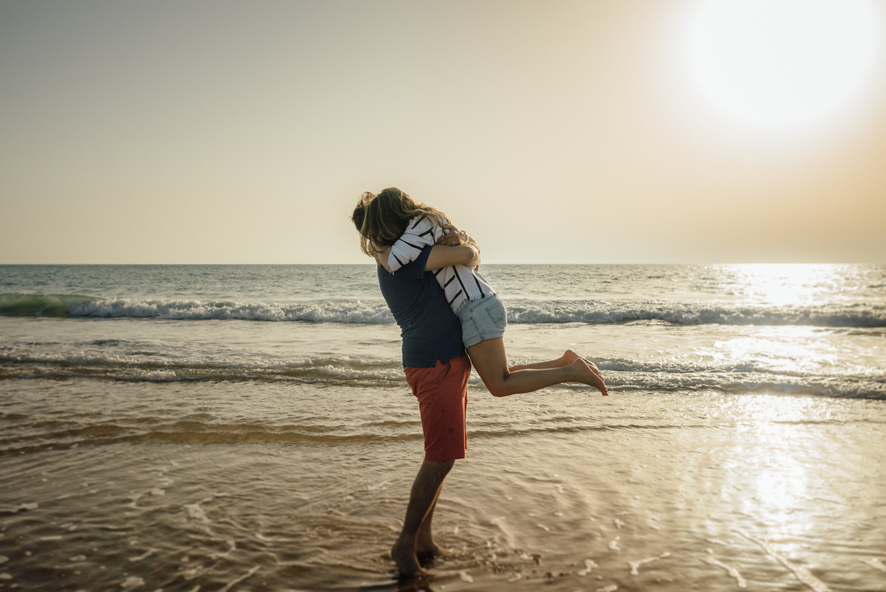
(395, 230)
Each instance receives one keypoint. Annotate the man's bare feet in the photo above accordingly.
(425, 549)
(407, 562)
(586, 374)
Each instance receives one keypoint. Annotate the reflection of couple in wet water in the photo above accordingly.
(428, 272)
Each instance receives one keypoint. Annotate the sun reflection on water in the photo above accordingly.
(781, 485)
(781, 349)
(783, 284)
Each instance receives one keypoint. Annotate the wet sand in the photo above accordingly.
(674, 491)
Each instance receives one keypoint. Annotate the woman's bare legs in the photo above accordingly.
(491, 362)
(567, 358)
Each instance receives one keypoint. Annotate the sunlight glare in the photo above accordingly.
(786, 284)
(782, 62)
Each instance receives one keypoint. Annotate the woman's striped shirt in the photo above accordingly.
(459, 282)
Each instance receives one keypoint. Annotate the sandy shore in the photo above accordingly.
(676, 491)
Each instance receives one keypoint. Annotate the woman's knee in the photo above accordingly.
(498, 390)
(500, 384)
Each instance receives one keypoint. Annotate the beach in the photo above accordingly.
(249, 428)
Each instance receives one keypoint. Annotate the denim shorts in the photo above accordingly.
(482, 319)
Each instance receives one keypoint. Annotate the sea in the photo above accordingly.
(249, 427)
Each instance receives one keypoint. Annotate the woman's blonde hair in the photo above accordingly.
(382, 219)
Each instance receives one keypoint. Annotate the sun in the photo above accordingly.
(782, 62)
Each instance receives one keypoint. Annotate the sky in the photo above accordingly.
(622, 131)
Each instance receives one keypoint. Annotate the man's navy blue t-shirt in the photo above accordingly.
(429, 328)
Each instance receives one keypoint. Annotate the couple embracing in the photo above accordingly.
(449, 318)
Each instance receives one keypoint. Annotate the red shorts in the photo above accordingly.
(442, 393)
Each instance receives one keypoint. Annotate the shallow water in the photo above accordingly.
(235, 428)
(145, 484)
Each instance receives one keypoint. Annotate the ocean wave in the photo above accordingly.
(328, 371)
(695, 313)
(521, 311)
(621, 374)
(200, 432)
(40, 305)
(25, 436)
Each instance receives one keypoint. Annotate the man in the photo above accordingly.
(437, 371)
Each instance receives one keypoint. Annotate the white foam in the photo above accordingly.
(195, 512)
(236, 581)
(875, 563)
(232, 546)
(463, 575)
(133, 500)
(522, 311)
(5, 576)
(145, 555)
(590, 564)
(611, 588)
(692, 313)
(336, 311)
(801, 572)
(3, 559)
(132, 582)
(635, 565)
(613, 544)
(730, 570)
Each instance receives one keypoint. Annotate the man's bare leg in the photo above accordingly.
(425, 545)
(422, 499)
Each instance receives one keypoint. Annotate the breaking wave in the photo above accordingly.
(621, 374)
(521, 311)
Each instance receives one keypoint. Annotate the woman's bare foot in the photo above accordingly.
(569, 357)
(407, 562)
(585, 373)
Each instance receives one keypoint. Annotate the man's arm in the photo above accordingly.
(443, 256)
